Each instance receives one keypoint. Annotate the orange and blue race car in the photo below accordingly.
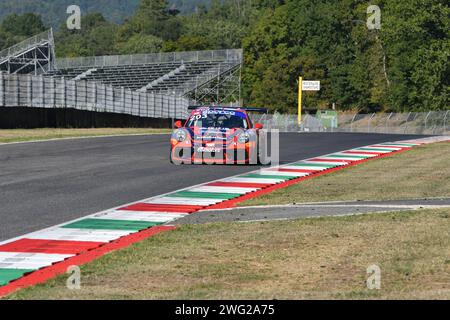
(217, 135)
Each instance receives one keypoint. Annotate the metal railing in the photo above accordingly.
(43, 92)
(26, 44)
(426, 123)
(161, 57)
(432, 122)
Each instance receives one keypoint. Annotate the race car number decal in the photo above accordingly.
(208, 149)
(205, 114)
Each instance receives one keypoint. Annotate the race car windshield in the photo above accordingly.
(212, 120)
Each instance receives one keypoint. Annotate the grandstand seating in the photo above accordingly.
(156, 77)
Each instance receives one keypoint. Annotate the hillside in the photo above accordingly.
(54, 12)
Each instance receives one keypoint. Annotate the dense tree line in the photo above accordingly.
(402, 67)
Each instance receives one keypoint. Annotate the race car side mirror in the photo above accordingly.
(178, 124)
(258, 126)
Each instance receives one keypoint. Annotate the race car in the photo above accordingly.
(217, 135)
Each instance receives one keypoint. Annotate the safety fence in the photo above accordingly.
(45, 92)
(432, 123)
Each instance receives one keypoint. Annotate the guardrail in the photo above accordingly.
(161, 57)
(45, 92)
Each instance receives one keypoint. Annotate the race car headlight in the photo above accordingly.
(244, 137)
(180, 135)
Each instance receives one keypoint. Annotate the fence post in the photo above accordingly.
(29, 90)
(406, 124)
(63, 92)
(353, 120)
(139, 103)
(94, 95)
(75, 93)
(370, 120)
(387, 120)
(52, 81)
(42, 87)
(17, 95)
(122, 94)
(426, 120)
(445, 120)
(105, 95)
(2, 90)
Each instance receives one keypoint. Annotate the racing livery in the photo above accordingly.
(216, 135)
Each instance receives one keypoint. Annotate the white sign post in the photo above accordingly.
(304, 85)
(311, 85)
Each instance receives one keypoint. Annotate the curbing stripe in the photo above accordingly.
(378, 150)
(58, 233)
(312, 164)
(203, 195)
(8, 275)
(267, 176)
(161, 208)
(27, 260)
(362, 153)
(49, 246)
(237, 184)
(137, 216)
(276, 173)
(110, 224)
(253, 180)
(185, 201)
(219, 189)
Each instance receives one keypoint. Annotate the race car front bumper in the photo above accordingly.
(233, 154)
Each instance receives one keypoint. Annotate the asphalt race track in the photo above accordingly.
(46, 183)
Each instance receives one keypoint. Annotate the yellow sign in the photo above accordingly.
(300, 87)
(305, 86)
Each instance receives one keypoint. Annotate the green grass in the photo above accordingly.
(323, 258)
(24, 135)
(419, 173)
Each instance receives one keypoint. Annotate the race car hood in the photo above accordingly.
(215, 134)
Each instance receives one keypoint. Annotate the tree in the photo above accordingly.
(140, 43)
(154, 18)
(96, 37)
(15, 28)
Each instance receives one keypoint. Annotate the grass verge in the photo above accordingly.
(323, 258)
(418, 173)
(23, 135)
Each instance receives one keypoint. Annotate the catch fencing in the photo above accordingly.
(45, 92)
(422, 123)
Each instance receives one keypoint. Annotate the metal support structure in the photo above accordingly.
(35, 55)
(225, 87)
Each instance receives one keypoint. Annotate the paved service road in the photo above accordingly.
(324, 209)
(47, 183)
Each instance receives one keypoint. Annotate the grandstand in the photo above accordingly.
(178, 73)
(35, 55)
(156, 85)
